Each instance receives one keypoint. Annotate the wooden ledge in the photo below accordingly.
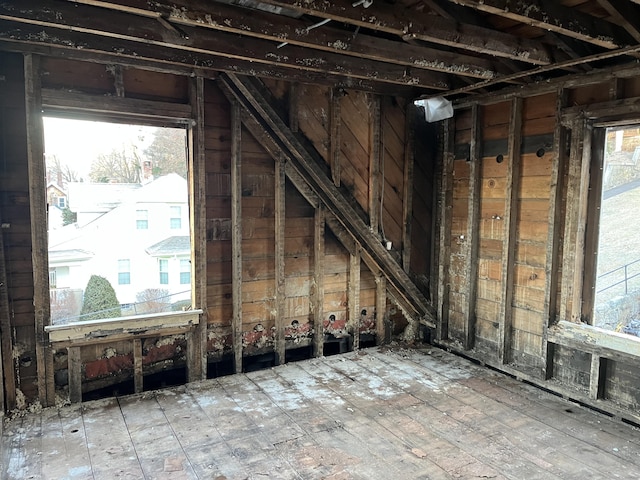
(594, 339)
(122, 328)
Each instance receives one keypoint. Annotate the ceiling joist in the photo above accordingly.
(552, 16)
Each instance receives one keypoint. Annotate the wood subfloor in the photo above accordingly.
(402, 414)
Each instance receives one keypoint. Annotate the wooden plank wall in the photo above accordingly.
(530, 239)
(351, 137)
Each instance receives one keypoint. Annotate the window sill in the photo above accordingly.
(122, 328)
(594, 339)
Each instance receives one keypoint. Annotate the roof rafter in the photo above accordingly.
(625, 13)
(116, 24)
(279, 28)
(552, 16)
(422, 26)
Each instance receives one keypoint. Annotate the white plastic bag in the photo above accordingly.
(435, 109)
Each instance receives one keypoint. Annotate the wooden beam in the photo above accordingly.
(597, 376)
(375, 127)
(74, 363)
(258, 24)
(7, 369)
(407, 186)
(553, 16)
(52, 41)
(575, 222)
(90, 20)
(130, 107)
(422, 26)
(472, 240)
(236, 234)
(625, 13)
(334, 137)
(444, 205)
(510, 230)
(138, 377)
(38, 212)
(602, 111)
(280, 221)
(317, 296)
(354, 297)
(555, 222)
(381, 309)
(197, 348)
(293, 107)
(278, 140)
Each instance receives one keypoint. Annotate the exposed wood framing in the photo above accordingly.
(354, 297)
(604, 110)
(407, 187)
(556, 222)
(74, 361)
(597, 376)
(280, 182)
(38, 212)
(334, 137)
(87, 19)
(197, 350)
(7, 371)
(293, 107)
(425, 27)
(138, 377)
(118, 81)
(318, 282)
(445, 200)
(575, 221)
(257, 24)
(552, 16)
(589, 273)
(303, 167)
(472, 237)
(127, 107)
(510, 230)
(375, 149)
(624, 13)
(381, 309)
(236, 234)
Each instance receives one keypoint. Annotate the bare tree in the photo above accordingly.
(167, 152)
(116, 167)
(60, 173)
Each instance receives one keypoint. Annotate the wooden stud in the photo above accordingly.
(472, 237)
(280, 221)
(374, 163)
(407, 187)
(354, 296)
(74, 361)
(593, 224)
(575, 219)
(445, 200)
(334, 138)
(236, 234)
(293, 107)
(509, 236)
(197, 340)
(138, 377)
(7, 371)
(597, 377)
(381, 308)
(318, 281)
(556, 211)
(38, 211)
(118, 81)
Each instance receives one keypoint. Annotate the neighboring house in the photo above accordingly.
(138, 245)
(56, 201)
(92, 200)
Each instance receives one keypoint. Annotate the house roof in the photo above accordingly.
(177, 245)
(73, 254)
(98, 197)
(419, 48)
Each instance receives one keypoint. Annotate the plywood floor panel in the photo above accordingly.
(374, 414)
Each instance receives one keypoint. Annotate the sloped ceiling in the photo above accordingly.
(412, 47)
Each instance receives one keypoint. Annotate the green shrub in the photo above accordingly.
(100, 300)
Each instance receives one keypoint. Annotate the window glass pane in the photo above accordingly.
(185, 272)
(617, 300)
(117, 195)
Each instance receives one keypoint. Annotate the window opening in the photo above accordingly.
(110, 188)
(617, 287)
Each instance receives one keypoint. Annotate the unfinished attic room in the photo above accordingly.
(305, 239)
